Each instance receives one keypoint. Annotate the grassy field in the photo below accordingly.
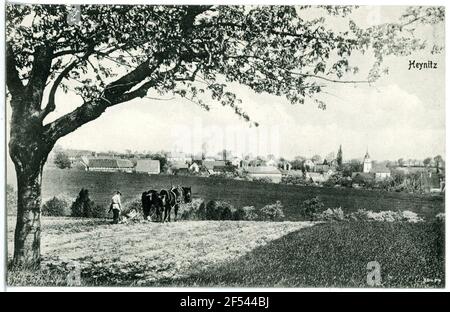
(144, 253)
(237, 254)
(336, 255)
(239, 193)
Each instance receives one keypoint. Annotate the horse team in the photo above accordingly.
(160, 204)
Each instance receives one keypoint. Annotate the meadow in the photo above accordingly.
(335, 255)
(236, 254)
(101, 186)
(142, 253)
(291, 253)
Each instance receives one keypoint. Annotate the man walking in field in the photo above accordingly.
(116, 207)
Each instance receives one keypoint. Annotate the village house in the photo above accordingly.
(236, 161)
(271, 162)
(309, 165)
(198, 159)
(317, 177)
(110, 165)
(215, 166)
(325, 169)
(177, 167)
(380, 171)
(270, 172)
(285, 165)
(194, 167)
(297, 173)
(149, 166)
(245, 163)
(361, 178)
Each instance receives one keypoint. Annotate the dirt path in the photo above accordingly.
(147, 252)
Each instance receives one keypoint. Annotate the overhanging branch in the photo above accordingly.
(51, 105)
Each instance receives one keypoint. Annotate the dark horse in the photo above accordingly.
(151, 201)
(173, 198)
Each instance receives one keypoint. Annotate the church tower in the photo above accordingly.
(367, 163)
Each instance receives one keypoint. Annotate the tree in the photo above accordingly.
(62, 161)
(162, 160)
(339, 157)
(401, 162)
(115, 54)
(330, 157)
(427, 161)
(316, 159)
(297, 163)
(351, 167)
(84, 207)
(438, 162)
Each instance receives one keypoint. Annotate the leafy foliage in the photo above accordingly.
(247, 213)
(292, 179)
(62, 161)
(263, 180)
(55, 207)
(273, 212)
(196, 51)
(84, 207)
(219, 210)
(195, 210)
(310, 207)
(331, 214)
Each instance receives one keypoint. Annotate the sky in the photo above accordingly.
(402, 115)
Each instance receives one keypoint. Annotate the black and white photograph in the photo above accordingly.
(293, 146)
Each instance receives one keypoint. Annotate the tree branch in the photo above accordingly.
(115, 93)
(15, 85)
(118, 91)
(51, 105)
(39, 73)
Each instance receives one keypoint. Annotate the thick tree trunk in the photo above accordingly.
(28, 149)
(27, 236)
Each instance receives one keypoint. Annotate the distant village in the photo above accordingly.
(421, 176)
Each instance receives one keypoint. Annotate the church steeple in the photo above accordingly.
(367, 156)
(367, 162)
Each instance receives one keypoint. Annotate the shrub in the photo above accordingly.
(55, 207)
(195, 210)
(294, 180)
(386, 184)
(242, 175)
(84, 207)
(263, 180)
(134, 205)
(98, 211)
(311, 207)
(272, 212)
(332, 181)
(385, 216)
(331, 214)
(359, 215)
(364, 180)
(219, 210)
(247, 213)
